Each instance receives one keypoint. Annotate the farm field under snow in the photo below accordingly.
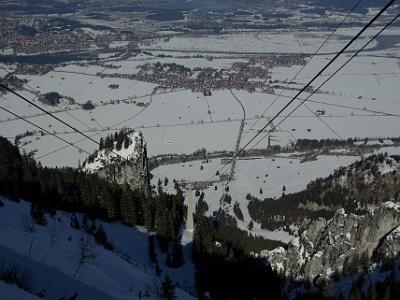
(265, 41)
(119, 274)
(355, 102)
(83, 87)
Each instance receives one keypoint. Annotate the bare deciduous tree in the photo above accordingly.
(27, 223)
(53, 232)
(86, 252)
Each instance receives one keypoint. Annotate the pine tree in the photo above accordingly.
(108, 143)
(152, 249)
(38, 214)
(167, 289)
(364, 261)
(126, 143)
(250, 226)
(131, 209)
(386, 291)
(101, 238)
(355, 294)
(372, 293)
(238, 211)
(74, 222)
(325, 289)
(174, 256)
(118, 146)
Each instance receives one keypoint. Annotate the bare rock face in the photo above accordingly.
(327, 246)
(390, 246)
(276, 257)
(122, 163)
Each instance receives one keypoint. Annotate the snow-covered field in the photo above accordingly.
(50, 255)
(264, 41)
(83, 87)
(356, 103)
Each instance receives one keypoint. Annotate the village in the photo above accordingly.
(249, 75)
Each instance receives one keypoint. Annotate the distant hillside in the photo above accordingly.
(356, 188)
(347, 5)
(349, 236)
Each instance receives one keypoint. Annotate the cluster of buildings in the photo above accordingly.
(37, 69)
(43, 41)
(249, 75)
(41, 36)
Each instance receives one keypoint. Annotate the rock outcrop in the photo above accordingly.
(328, 246)
(124, 161)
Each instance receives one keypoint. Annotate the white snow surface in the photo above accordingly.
(119, 274)
(258, 41)
(176, 121)
(392, 205)
(12, 292)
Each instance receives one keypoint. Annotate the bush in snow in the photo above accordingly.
(37, 214)
(101, 238)
(11, 273)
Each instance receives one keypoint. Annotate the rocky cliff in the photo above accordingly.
(122, 158)
(330, 246)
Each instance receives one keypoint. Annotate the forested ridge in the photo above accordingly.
(353, 188)
(224, 266)
(69, 189)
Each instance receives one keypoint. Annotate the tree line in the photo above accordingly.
(73, 190)
(225, 269)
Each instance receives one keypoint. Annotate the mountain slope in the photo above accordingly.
(355, 250)
(328, 246)
(50, 253)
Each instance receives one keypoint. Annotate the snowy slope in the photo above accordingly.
(42, 275)
(119, 274)
(8, 291)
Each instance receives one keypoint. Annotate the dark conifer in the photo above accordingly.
(167, 289)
